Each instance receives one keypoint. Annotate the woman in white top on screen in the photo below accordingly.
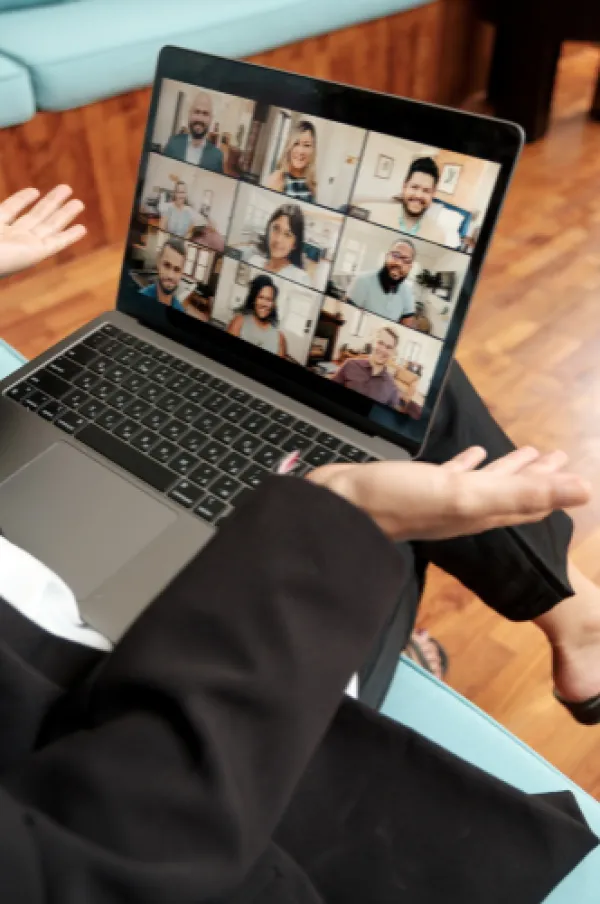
(281, 247)
(177, 217)
(296, 173)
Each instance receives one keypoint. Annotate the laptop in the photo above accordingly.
(299, 263)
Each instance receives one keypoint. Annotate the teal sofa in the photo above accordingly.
(69, 53)
(419, 700)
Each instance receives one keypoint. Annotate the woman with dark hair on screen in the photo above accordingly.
(257, 320)
(280, 250)
(296, 173)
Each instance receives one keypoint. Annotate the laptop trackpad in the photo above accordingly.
(77, 517)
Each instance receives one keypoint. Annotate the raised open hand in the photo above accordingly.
(418, 501)
(28, 238)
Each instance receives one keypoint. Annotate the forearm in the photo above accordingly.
(207, 714)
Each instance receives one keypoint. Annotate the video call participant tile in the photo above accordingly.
(288, 238)
(385, 362)
(266, 310)
(401, 278)
(425, 192)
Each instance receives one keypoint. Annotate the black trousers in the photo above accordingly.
(520, 572)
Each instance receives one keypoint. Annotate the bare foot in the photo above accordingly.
(573, 629)
(423, 649)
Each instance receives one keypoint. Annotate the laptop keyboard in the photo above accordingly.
(202, 441)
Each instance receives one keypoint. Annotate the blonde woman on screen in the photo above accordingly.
(296, 174)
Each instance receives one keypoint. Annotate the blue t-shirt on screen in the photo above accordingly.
(151, 291)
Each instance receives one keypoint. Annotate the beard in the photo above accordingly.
(198, 131)
(168, 290)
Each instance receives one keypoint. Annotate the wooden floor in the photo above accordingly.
(531, 346)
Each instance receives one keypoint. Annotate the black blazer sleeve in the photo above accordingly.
(203, 720)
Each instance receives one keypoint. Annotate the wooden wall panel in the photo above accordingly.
(422, 53)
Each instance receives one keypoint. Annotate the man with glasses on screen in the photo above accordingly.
(385, 292)
(370, 376)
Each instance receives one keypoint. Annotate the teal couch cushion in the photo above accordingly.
(17, 103)
(27, 4)
(83, 51)
(418, 700)
(10, 359)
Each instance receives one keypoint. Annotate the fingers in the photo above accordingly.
(514, 462)
(16, 204)
(467, 460)
(60, 219)
(45, 208)
(55, 243)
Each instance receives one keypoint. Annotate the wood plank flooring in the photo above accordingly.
(531, 346)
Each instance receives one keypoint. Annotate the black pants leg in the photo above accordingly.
(521, 572)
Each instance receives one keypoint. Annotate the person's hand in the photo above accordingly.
(28, 238)
(417, 501)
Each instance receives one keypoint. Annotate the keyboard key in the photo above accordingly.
(155, 419)
(109, 419)
(169, 402)
(213, 452)
(144, 440)
(151, 392)
(49, 383)
(276, 433)
(247, 444)
(188, 412)
(234, 413)
(218, 384)
(81, 354)
(127, 429)
(352, 452)
(20, 391)
(260, 406)
(227, 433)
(306, 429)
(215, 402)
(100, 365)
(173, 430)
(162, 356)
(70, 422)
(196, 393)
(297, 443)
(184, 463)
(177, 382)
(254, 423)
(109, 330)
(268, 456)
(126, 356)
(233, 464)
(134, 382)
(192, 441)
(162, 374)
(197, 374)
(144, 365)
(210, 508)
(329, 441)
(111, 348)
(207, 422)
(144, 347)
(35, 400)
(186, 493)
(341, 459)
(126, 338)
(180, 365)
(96, 340)
(137, 409)
(225, 488)
(203, 474)
(319, 456)
(254, 476)
(164, 451)
(120, 399)
(91, 410)
(240, 395)
(128, 458)
(76, 397)
(86, 380)
(64, 367)
(282, 417)
(116, 373)
(103, 389)
(52, 410)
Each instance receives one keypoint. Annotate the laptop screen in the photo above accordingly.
(340, 250)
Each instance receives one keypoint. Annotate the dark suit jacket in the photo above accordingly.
(212, 157)
(210, 757)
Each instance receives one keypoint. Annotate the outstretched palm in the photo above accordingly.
(28, 238)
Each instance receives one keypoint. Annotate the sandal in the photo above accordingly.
(587, 712)
(415, 650)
